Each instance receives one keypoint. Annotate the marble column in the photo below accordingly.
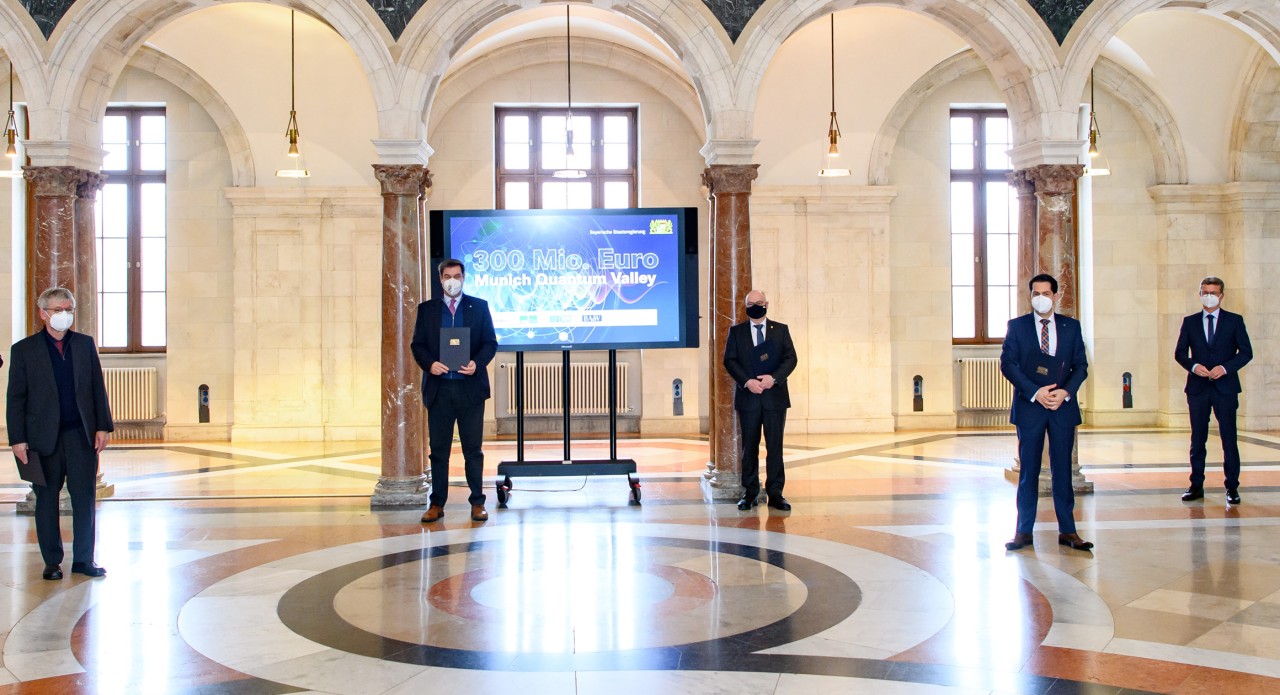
(401, 482)
(1047, 243)
(53, 215)
(1028, 241)
(730, 187)
(85, 286)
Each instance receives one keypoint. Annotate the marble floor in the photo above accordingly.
(260, 568)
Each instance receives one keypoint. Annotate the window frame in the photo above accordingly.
(134, 178)
(979, 176)
(536, 174)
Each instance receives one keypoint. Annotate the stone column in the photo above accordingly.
(1028, 240)
(1047, 244)
(730, 187)
(85, 286)
(54, 217)
(402, 482)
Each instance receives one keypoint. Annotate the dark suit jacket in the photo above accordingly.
(426, 345)
(1231, 349)
(34, 415)
(1022, 347)
(738, 350)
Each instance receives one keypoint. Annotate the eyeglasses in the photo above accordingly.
(55, 312)
(1210, 294)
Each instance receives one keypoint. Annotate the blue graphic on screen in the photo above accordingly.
(580, 279)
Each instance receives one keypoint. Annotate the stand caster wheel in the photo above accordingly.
(503, 492)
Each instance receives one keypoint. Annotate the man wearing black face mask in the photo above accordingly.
(759, 355)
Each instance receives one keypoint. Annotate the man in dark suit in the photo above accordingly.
(58, 410)
(454, 397)
(759, 355)
(1043, 357)
(1213, 346)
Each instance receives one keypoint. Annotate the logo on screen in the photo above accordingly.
(661, 227)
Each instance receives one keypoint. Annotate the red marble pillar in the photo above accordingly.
(1028, 238)
(402, 482)
(1056, 228)
(54, 214)
(730, 187)
(85, 286)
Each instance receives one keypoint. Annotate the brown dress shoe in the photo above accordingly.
(1074, 541)
(1020, 541)
(478, 513)
(434, 512)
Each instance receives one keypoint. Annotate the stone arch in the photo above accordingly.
(586, 51)
(24, 46)
(441, 27)
(1153, 115)
(237, 142)
(1255, 132)
(1259, 19)
(1006, 34)
(95, 39)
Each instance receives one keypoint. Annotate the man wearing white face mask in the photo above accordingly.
(1213, 346)
(454, 396)
(58, 413)
(1043, 357)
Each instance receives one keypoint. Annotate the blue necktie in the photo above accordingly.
(759, 333)
(1210, 317)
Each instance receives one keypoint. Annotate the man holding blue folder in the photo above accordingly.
(759, 355)
(1043, 357)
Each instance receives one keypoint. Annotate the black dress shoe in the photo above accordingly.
(746, 502)
(780, 503)
(1233, 497)
(1020, 541)
(88, 570)
(1193, 493)
(1074, 541)
(52, 572)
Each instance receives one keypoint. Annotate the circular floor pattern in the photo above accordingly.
(554, 599)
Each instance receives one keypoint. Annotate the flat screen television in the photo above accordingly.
(577, 279)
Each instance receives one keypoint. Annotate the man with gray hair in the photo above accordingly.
(59, 418)
(759, 355)
(1213, 346)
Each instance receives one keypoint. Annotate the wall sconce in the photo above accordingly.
(829, 168)
(294, 169)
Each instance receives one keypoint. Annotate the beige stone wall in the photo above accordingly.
(307, 323)
(198, 259)
(670, 175)
(822, 257)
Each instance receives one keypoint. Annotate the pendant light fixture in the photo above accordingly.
(11, 135)
(568, 172)
(1098, 164)
(294, 169)
(829, 168)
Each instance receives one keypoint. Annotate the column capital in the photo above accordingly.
(729, 178)
(402, 179)
(1054, 179)
(92, 183)
(410, 151)
(1022, 182)
(54, 181)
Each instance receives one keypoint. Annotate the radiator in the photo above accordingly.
(133, 393)
(589, 382)
(982, 386)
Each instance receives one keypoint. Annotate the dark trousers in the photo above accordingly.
(1224, 407)
(453, 404)
(1030, 452)
(773, 423)
(74, 461)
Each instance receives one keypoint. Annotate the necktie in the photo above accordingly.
(1044, 336)
(759, 333)
(1210, 316)
(453, 305)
